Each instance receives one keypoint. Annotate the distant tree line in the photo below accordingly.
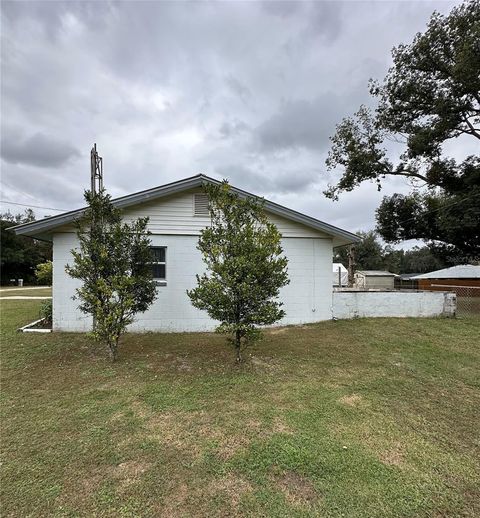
(371, 254)
(20, 255)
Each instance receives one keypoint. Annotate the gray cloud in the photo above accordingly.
(301, 123)
(280, 181)
(282, 8)
(38, 150)
(246, 90)
(325, 20)
(238, 88)
(230, 129)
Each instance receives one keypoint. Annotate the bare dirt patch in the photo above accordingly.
(182, 364)
(231, 488)
(230, 445)
(278, 331)
(394, 456)
(280, 426)
(351, 400)
(130, 471)
(297, 489)
(189, 432)
(264, 364)
(285, 330)
(140, 409)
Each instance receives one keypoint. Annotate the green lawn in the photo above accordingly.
(363, 418)
(16, 292)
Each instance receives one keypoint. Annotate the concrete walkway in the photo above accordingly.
(2, 290)
(23, 297)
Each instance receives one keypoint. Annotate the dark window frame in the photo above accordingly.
(154, 262)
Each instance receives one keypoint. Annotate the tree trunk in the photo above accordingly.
(237, 346)
(113, 350)
(351, 266)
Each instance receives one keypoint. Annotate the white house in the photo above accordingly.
(177, 212)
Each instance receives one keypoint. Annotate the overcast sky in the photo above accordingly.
(248, 91)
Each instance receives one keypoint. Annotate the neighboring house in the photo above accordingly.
(340, 275)
(466, 276)
(374, 280)
(177, 212)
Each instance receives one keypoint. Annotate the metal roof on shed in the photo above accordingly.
(461, 271)
(376, 273)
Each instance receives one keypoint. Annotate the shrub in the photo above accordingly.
(46, 311)
(44, 272)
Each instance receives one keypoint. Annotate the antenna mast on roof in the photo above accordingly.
(96, 170)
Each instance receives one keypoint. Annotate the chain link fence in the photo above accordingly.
(468, 297)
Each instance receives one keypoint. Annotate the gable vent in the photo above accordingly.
(200, 205)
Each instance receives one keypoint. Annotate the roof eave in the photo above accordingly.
(35, 228)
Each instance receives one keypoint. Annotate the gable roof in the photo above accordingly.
(461, 271)
(41, 229)
(376, 273)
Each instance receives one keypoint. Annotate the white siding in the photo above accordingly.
(175, 215)
(308, 297)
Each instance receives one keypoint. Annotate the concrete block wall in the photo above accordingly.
(307, 298)
(353, 304)
(66, 315)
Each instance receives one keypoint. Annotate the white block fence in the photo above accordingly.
(356, 304)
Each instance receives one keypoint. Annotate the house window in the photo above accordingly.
(200, 205)
(159, 264)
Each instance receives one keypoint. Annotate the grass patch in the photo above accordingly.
(365, 418)
(19, 292)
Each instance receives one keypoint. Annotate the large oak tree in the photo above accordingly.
(429, 98)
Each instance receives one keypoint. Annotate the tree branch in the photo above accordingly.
(408, 174)
(473, 131)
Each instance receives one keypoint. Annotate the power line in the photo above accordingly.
(34, 206)
(442, 207)
(16, 190)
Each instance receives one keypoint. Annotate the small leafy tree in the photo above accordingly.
(113, 264)
(44, 272)
(245, 267)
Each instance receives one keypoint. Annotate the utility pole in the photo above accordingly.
(96, 170)
(96, 178)
(351, 265)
